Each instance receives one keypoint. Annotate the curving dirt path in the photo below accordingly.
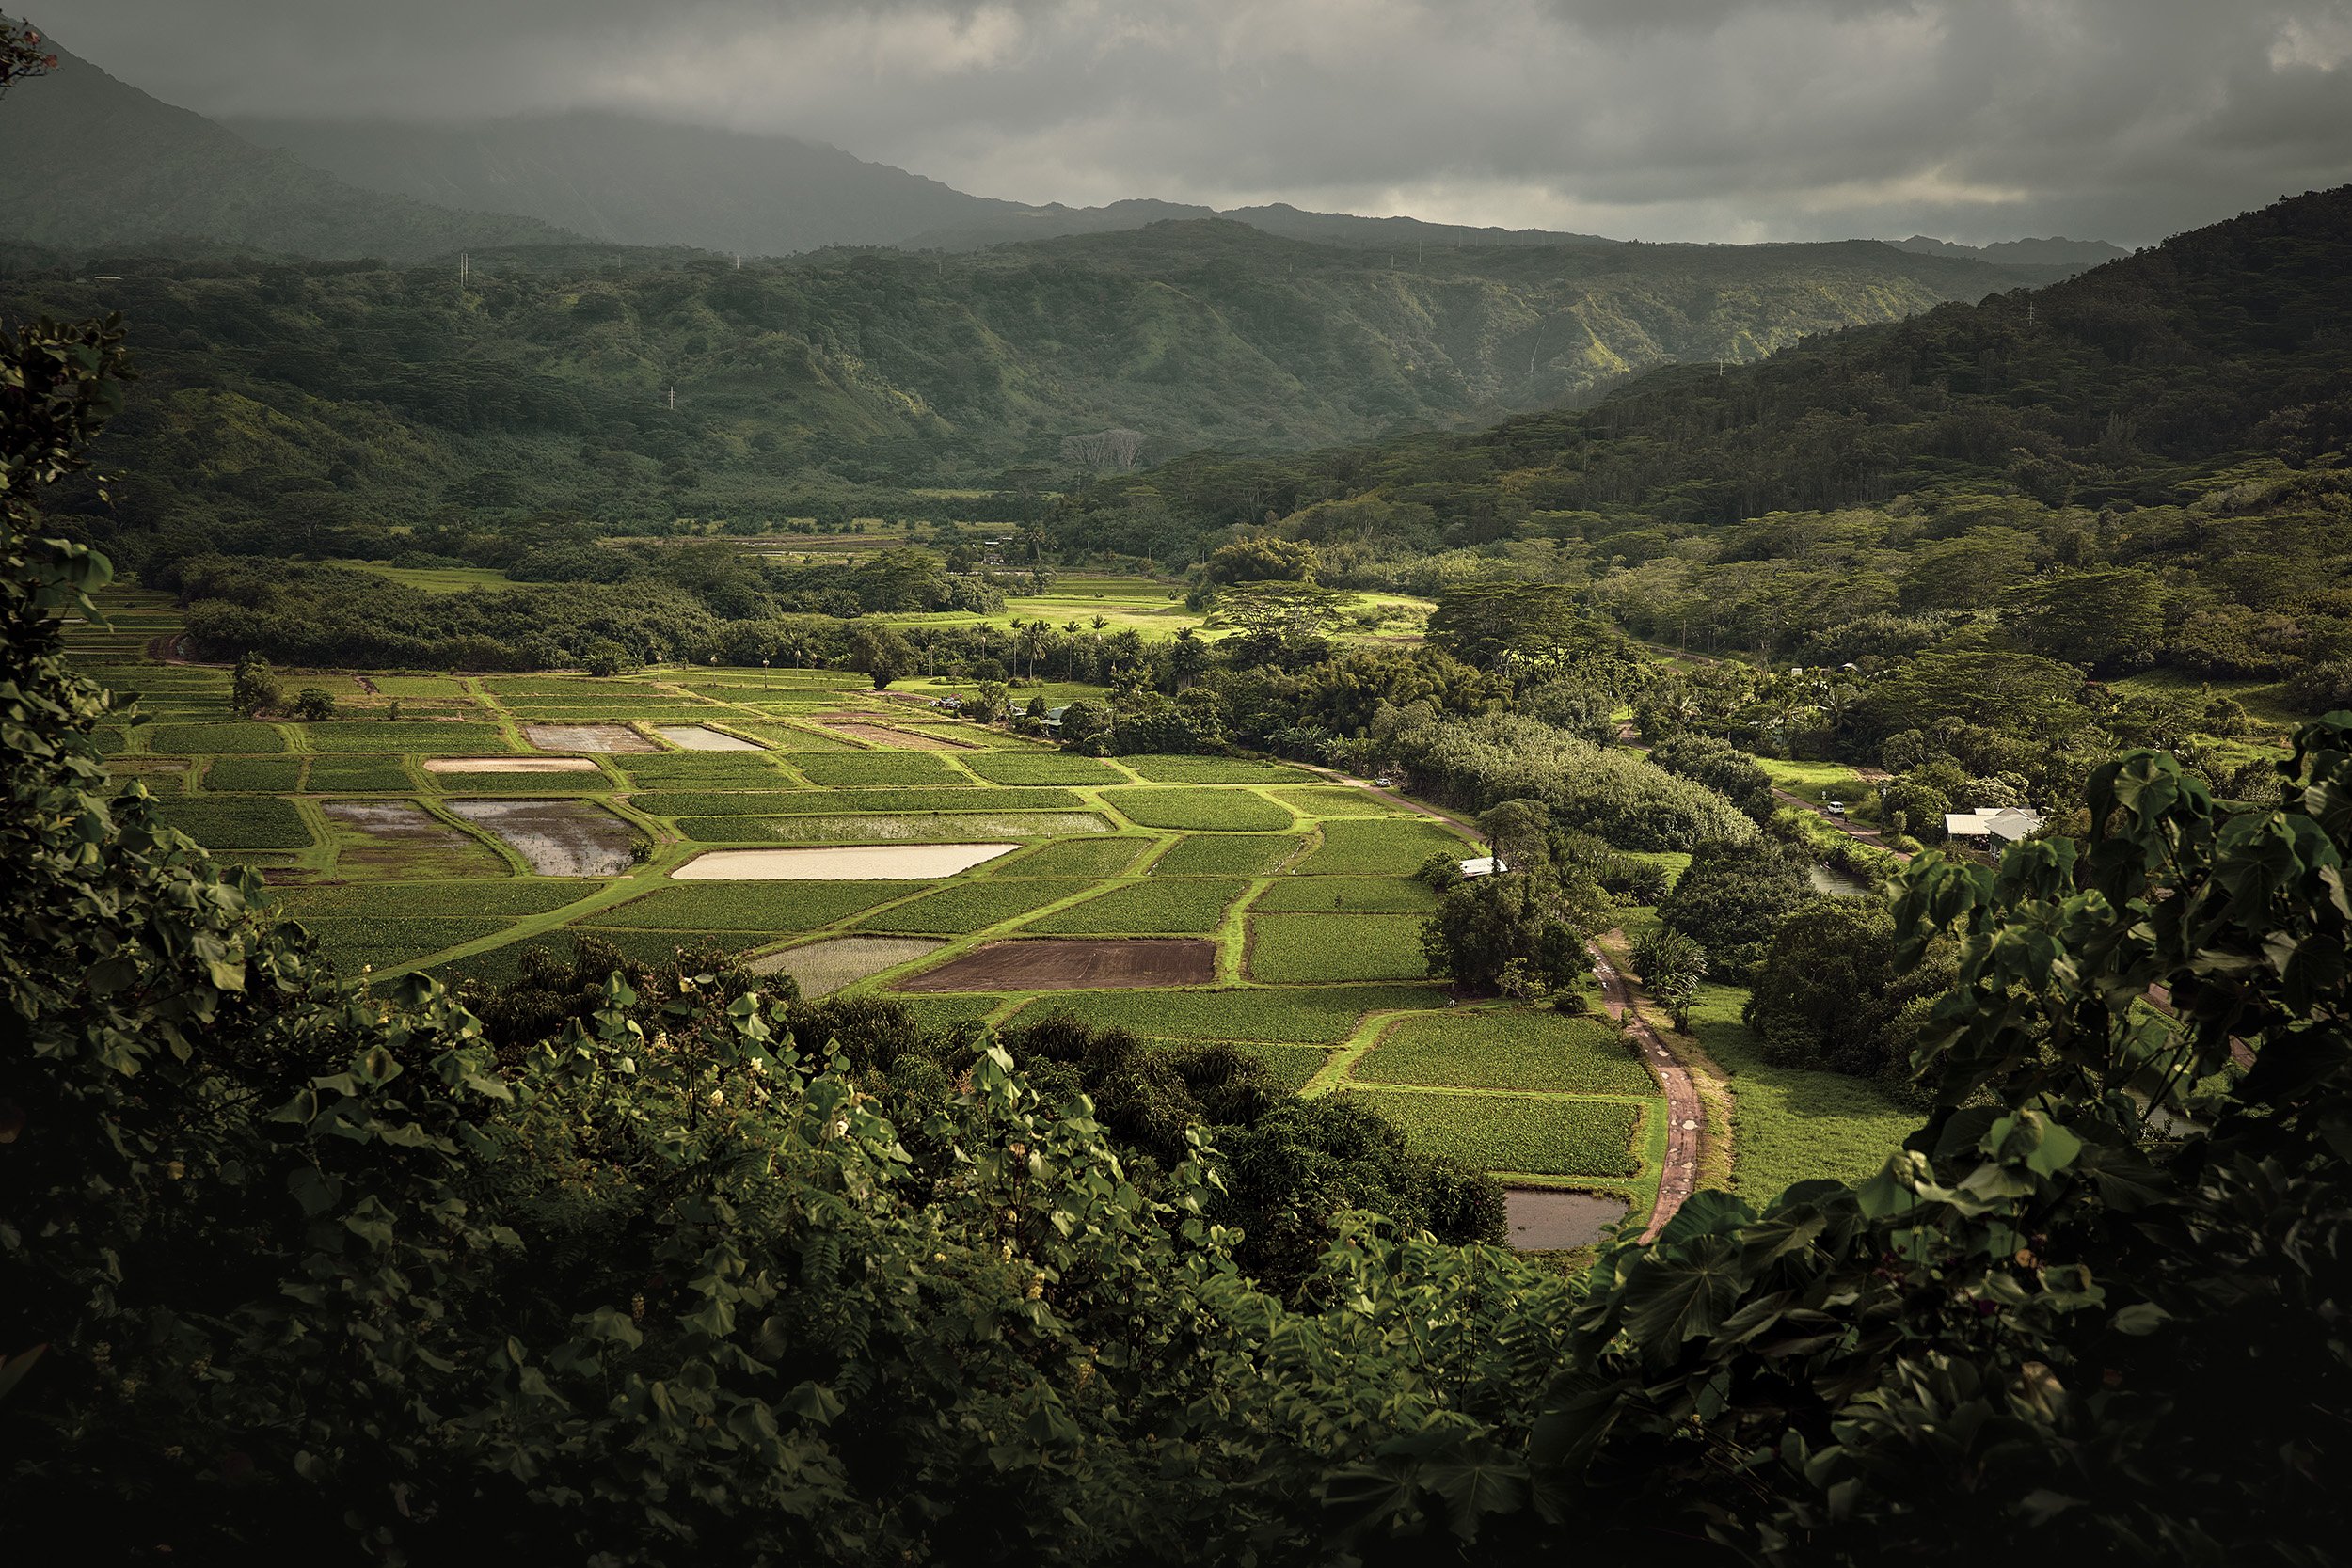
(1686, 1119)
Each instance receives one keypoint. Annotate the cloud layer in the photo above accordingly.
(1704, 119)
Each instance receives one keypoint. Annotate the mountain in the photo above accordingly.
(322, 391)
(2186, 409)
(95, 164)
(637, 182)
(2076, 255)
(1340, 228)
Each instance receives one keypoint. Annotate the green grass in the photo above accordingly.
(1522, 1049)
(1238, 811)
(1086, 858)
(238, 735)
(420, 686)
(1043, 768)
(519, 896)
(357, 772)
(962, 907)
(877, 768)
(1336, 801)
(816, 802)
(1225, 855)
(237, 822)
(1817, 781)
(969, 827)
(1210, 771)
(430, 737)
(254, 775)
(1320, 949)
(1324, 1016)
(779, 906)
(1789, 1125)
(1176, 906)
(1541, 1137)
(1382, 849)
(381, 941)
(1346, 896)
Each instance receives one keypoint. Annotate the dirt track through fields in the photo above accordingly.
(1112, 964)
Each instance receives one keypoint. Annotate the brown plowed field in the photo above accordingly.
(1082, 965)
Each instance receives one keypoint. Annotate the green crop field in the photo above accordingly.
(960, 907)
(1043, 768)
(233, 737)
(876, 767)
(1308, 1016)
(1096, 857)
(1179, 906)
(519, 897)
(1335, 800)
(427, 737)
(379, 942)
(1346, 896)
(1526, 1048)
(236, 821)
(780, 907)
(702, 771)
(1301, 888)
(1318, 949)
(1238, 811)
(962, 828)
(1539, 1138)
(1219, 770)
(337, 773)
(1382, 849)
(816, 802)
(1225, 855)
(254, 775)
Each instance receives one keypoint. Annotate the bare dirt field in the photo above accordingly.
(606, 739)
(824, 966)
(1543, 1220)
(698, 737)
(560, 838)
(850, 862)
(509, 764)
(1077, 965)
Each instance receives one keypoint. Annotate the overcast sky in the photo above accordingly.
(1684, 120)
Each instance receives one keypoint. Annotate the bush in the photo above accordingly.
(1732, 899)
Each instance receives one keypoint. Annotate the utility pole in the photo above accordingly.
(674, 399)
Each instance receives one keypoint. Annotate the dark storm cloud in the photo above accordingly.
(1664, 119)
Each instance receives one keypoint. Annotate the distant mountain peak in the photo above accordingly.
(2053, 252)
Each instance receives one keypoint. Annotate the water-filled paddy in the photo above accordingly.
(607, 738)
(1545, 1220)
(849, 862)
(560, 838)
(823, 968)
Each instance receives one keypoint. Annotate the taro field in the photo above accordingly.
(869, 842)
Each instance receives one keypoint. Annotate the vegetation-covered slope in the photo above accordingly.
(93, 163)
(307, 391)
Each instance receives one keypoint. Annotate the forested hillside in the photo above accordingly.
(95, 164)
(309, 394)
(2147, 457)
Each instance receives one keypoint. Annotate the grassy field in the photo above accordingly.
(1323, 949)
(1199, 810)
